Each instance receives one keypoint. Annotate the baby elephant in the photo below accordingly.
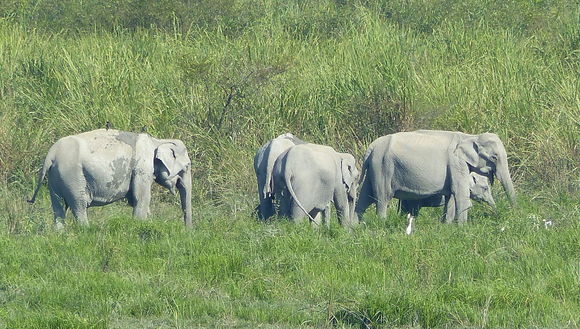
(308, 177)
(479, 190)
(102, 166)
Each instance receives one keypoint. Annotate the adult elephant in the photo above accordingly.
(479, 190)
(102, 166)
(420, 164)
(308, 177)
(263, 164)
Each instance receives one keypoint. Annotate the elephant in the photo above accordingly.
(263, 164)
(306, 178)
(479, 190)
(102, 166)
(419, 164)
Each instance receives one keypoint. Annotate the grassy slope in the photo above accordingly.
(332, 73)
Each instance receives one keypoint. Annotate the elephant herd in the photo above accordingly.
(296, 179)
(424, 168)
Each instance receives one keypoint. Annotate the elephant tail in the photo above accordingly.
(269, 186)
(288, 179)
(48, 161)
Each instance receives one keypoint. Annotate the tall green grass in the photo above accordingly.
(225, 95)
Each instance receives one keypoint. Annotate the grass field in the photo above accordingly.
(501, 270)
(226, 76)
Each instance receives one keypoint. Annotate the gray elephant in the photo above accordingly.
(308, 177)
(263, 164)
(479, 190)
(102, 166)
(420, 164)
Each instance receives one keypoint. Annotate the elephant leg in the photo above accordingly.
(322, 217)
(383, 194)
(141, 207)
(382, 208)
(365, 198)
(284, 205)
(462, 204)
(449, 214)
(410, 207)
(326, 216)
(318, 218)
(297, 214)
(58, 209)
(79, 210)
(383, 189)
(266, 208)
(141, 200)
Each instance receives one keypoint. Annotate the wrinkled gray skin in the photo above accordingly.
(479, 190)
(308, 177)
(263, 165)
(417, 165)
(102, 166)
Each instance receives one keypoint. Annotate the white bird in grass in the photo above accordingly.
(409, 229)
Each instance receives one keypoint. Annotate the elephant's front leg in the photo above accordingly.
(462, 203)
(79, 210)
(141, 191)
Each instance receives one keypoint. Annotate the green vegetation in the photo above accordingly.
(225, 76)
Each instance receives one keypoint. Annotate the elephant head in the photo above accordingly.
(479, 189)
(349, 175)
(486, 155)
(172, 170)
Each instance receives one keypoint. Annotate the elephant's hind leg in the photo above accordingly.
(297, 214)
(383, 193)
(58, 209)
(266, 208)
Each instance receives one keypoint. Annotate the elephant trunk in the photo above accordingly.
(352, 197)
(184, 187)
(491, 203)
(505, 178)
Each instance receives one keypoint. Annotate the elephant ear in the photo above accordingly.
(166, 154)
(467, 151)
(347, 173)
